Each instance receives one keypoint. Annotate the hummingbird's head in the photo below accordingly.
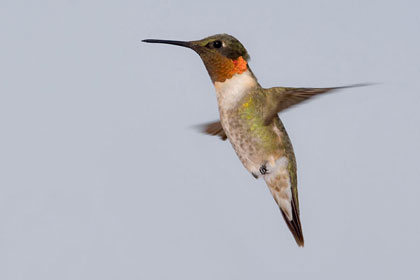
(222, 54)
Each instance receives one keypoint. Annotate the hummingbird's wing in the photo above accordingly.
(213, 128)
(281, 98)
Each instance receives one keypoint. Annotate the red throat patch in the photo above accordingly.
(240, 65)
(227, 68)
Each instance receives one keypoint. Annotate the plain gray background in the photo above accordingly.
(102, 176)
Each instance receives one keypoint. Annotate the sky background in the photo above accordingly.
(103, 177)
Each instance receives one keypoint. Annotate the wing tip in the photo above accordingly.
(355, 85)
(212, 128)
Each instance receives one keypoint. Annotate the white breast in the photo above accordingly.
(230, 92)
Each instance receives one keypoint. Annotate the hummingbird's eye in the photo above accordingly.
(217, 44)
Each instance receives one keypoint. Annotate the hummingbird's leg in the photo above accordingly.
(263, 169)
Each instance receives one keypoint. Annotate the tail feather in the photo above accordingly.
(287, 200)
(294, 224)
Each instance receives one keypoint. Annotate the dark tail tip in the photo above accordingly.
(294, 225)
(300, 241)
(295, 228)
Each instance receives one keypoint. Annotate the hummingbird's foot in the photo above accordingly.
(255, 175)
(263, 169)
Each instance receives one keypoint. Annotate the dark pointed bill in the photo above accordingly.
(170, 42)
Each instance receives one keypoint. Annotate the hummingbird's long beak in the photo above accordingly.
(177, 43)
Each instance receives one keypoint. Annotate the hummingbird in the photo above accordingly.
(249, 119)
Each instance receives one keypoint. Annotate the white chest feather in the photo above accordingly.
(231, 91)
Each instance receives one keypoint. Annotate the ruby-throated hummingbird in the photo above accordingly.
(248, 118)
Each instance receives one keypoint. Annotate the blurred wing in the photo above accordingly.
(281, 98)
(213, 128)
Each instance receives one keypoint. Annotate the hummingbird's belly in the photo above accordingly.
(251, 150)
